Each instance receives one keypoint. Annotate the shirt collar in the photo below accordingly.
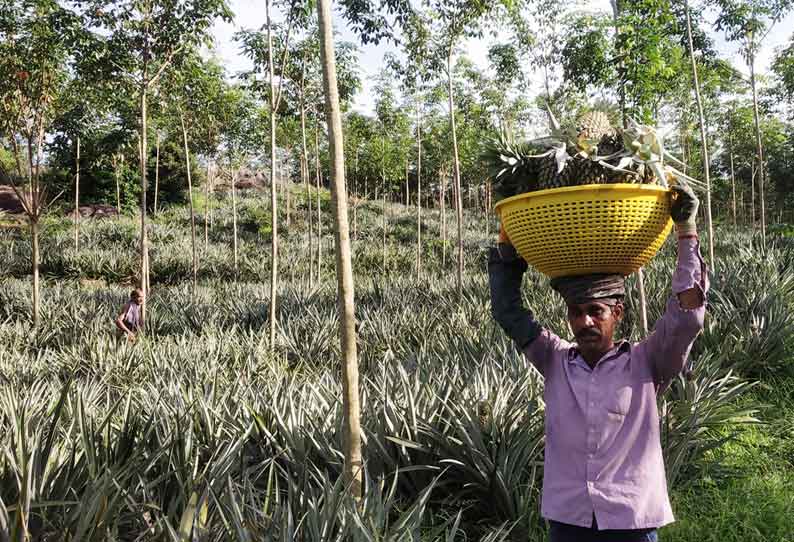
(621, 347)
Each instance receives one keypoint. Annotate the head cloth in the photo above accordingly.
(585, 288)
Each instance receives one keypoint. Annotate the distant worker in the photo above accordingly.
(129, 320)
(604, 476)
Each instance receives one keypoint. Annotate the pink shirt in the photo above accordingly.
(603, 452)
(132, 315)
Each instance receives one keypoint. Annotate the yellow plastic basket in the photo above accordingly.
(594, 228)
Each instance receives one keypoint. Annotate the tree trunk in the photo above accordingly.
(643, 301)
(759, 147)
(286, 185)
(310, 215)
(305, 174)
(156, 169)
(77, 198)
(418, 192)
(190, 199)
(407, 189)
(355, 199)
(753, 172)
(383, 184)
(207, 205)
(212, 192)
(234, 219)
(443, 212)
(733, 182)
(118, 184)
(344, 267)
(384, 232)
(742, 210)
(317, 178)
(34, 264)
(354, 204)
(703, 137)
(144, 255)
(486, 208)
(273, 199)
(456, 173)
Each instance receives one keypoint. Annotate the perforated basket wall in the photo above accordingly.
(599, 228)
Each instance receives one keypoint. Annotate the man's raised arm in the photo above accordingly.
(505, 272)
(667, 348)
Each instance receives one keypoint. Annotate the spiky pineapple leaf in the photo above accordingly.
(511, 166)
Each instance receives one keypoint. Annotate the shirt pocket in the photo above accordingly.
(620, 401)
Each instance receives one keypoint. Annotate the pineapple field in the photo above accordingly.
(265, 270)
(201, 431)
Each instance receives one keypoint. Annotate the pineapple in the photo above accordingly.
(510, 166)
(548, 176)
(593, 152)
(594, 127)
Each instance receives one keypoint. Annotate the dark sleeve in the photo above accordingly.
(505, 271)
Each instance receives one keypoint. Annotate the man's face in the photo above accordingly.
(593, 324)
(138, 299)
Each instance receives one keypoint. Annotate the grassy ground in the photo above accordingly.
(747, 492)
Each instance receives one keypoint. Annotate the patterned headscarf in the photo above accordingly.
(585, 288)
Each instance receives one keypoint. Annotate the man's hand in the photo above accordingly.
(684, 210)
(503, 238)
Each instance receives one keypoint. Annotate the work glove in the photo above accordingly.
(684, 210)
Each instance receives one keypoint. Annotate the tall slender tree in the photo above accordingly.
(417, 71)
(259, 46)
(456, 20)
(36, 41)
(344, 267)
(240, 141)
(703, 136)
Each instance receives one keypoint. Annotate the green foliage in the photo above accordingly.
(256, 218)
(7, 161)
(783, 67)
(37, 41)
(746, 21)
(747, 491)
(650, 59)
(587, 53)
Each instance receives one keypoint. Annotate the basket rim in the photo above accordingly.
(584, 189)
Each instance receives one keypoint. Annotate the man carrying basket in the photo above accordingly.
(604, 476)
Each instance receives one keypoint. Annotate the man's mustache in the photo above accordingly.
(588, 333)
